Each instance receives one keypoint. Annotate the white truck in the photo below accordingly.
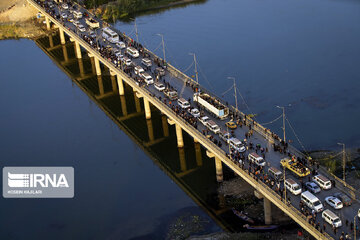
(211, 104)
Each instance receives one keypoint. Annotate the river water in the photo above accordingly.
(303, 53)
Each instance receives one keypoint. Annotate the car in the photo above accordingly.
(92, 34)
(160, 71)
(204, 120)
(65, 6)
(225, 135)
(64, 15)
(231, 125)
(138, 70)
(81, 28)
(159, 86)
(334, 202)
(117, 53)
(312, 187)
(345, 199)
(127, 61)
(121, 45)
(194, 112)
(76, 23)
(147, 78)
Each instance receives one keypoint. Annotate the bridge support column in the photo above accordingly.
(165, 126)
(81, 66)
(47, 20)
(179, 136)
(147, 109)
(77, 50)
(100, 84)
(150, 130)
(62, 36)
(123, 105)
(267, 211)
(182, 159)
(97, 66)
(66, 57)
(137, 103)
(120, 85)
(51, 41)
(198, 154)
(219, 171)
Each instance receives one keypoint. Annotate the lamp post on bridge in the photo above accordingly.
(283, 115)
(163, 44)
(196, 72)
(236, 102)
(344, 160)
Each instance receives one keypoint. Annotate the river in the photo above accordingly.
(303, 53)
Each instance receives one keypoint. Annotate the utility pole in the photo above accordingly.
(285, 185)
(196, 72)
(344, 160)
(163, 44)
(136, 32)
(283, 115)
(236, 102)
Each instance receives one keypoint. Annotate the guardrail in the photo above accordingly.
(265, 190)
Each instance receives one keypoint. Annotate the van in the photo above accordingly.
(275, 173)
(237, 144)
(213, 126)
(292, 186)
(322, 181)
(253, 157)
(311, 201)
(225, 135)
(138, 70)
(331, 218)
(132, 52)
(147, 78)
(146, 62)
(77, 14)
(183, 103)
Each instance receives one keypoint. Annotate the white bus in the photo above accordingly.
(132, 52)
(110, 35)
(77, 14)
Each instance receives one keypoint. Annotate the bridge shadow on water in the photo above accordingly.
(189, 167)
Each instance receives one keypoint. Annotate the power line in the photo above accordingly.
(272, 121)
(301, 144)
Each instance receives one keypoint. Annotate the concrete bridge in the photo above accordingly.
(151, 99)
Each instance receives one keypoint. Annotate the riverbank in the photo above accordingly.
(17, 20)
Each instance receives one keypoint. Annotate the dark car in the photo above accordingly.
(345, 199)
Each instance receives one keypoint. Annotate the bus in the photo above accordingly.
(77, 14)
(110, 35)
(132, 52)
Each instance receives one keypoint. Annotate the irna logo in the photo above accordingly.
(36, 180)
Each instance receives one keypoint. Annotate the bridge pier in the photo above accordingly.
(165, 125)
(77, 50)
(113, 83)
(65, 53)
(147, 109)
(179, 136)
(47, 20)
(137, 102)
(81, 66)
(51, 41)
(218, 166)
(120, 85)
(100, 84)
(198, 155)
(123, 105)
(150, 129)
(267, 211)
(62, 36)
(182, 159)
(97, 66)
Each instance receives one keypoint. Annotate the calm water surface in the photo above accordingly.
(306, 53)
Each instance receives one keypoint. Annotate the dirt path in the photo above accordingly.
(15, 11)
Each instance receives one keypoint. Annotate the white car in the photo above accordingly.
(76, 23)
(195, 112)
(334, 202)
(138, 70)
(204, 120)
(127, 61)
(81, 28)
(147, 78)
(312, 187)
(159, 86)
(117, 53)
(63, 15)
(121, 45)
(65, 6)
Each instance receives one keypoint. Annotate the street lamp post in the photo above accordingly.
(196, 72)
(236, 102)
(344, 159)
(283, 115)
(163, 44)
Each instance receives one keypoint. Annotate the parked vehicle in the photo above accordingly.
(110, 35)
(121, 45)
(81, 28)
(160, 71)
(195, 112)
(211, 104)
(256, 159)
(147, 78)
(345, 199)
(213, 126)
(183, 103)
(171, 94)
(132, 52)
(146, 62)
(204, 120)
(295, 166)
(138, 70)
(64, 16)
(312, 187)
(77, 14)
(159, 86)
(292, 186)
(237, 145)
(275, 173)
(127, 61)
(225, 135)
(65, 6)
(92, 23)
(311, 201)
(231, 125)
(322, 181)
(334, 202)
(331, 218)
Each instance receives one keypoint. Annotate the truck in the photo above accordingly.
(295, 166)
(92, 23)
(211, 104)
(171, 94)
